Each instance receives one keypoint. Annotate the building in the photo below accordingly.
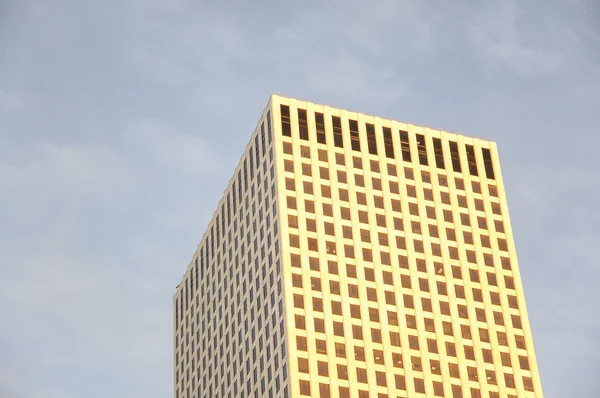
(355, 256)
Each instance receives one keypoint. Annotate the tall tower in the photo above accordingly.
(355, 256)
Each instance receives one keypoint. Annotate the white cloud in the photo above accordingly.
(351, 51)
(62, 168)
(64, 305)
(298, 43)
(13, 381)
(182, 152)
(349, 76)
(389, 25)
(502, 34)
(203, 41)
(37, 176)
(96, 230)
(10, 101)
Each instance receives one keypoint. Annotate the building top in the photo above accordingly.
(272, 113)
(436, 132)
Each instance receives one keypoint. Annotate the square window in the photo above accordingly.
(304, 387)
(323, 368)
(303, 365)
(380, 379)
(322, 155)
(342, 371)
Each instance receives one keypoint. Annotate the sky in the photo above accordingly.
(121, 122)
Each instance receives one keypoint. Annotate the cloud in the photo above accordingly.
(183, 153)
(204, 42)
(10, 101)
(503, 34)
(71, 250)
(382, 26)
(65, 292)
(342, 68)
(354, 51)
(120, 130)
(297, 43)
(41, 176)
(89, 302)
(14, 377)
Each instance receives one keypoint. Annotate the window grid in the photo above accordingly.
(355, 269)
(347, 200)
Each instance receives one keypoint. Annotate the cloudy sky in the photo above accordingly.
(121, 121)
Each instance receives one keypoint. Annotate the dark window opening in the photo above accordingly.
(286, 128)
(439, 154)
(212, 242)
(405, 146)
(303, 124)
(262, 138)
(371, 140)
(223, 219)
(487, 163)
(257, 149)
(229, 207)
(354, 138)
(234, 201)
(422, 149)
(338, 140)
(455, 156)
(320, 124)
(269, 125)
(203, 260)
(245, 174)
(218, 234)
(239, 178)
(388, 143)
(471, 160)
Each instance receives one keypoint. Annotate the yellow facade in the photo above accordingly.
(389, 268)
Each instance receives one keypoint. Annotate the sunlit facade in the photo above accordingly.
(355, 256)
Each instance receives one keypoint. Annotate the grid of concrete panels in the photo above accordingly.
(400, 274)
(229, 338)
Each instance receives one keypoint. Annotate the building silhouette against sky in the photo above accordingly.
(355, 256)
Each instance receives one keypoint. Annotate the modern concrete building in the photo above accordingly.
(355, 256)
